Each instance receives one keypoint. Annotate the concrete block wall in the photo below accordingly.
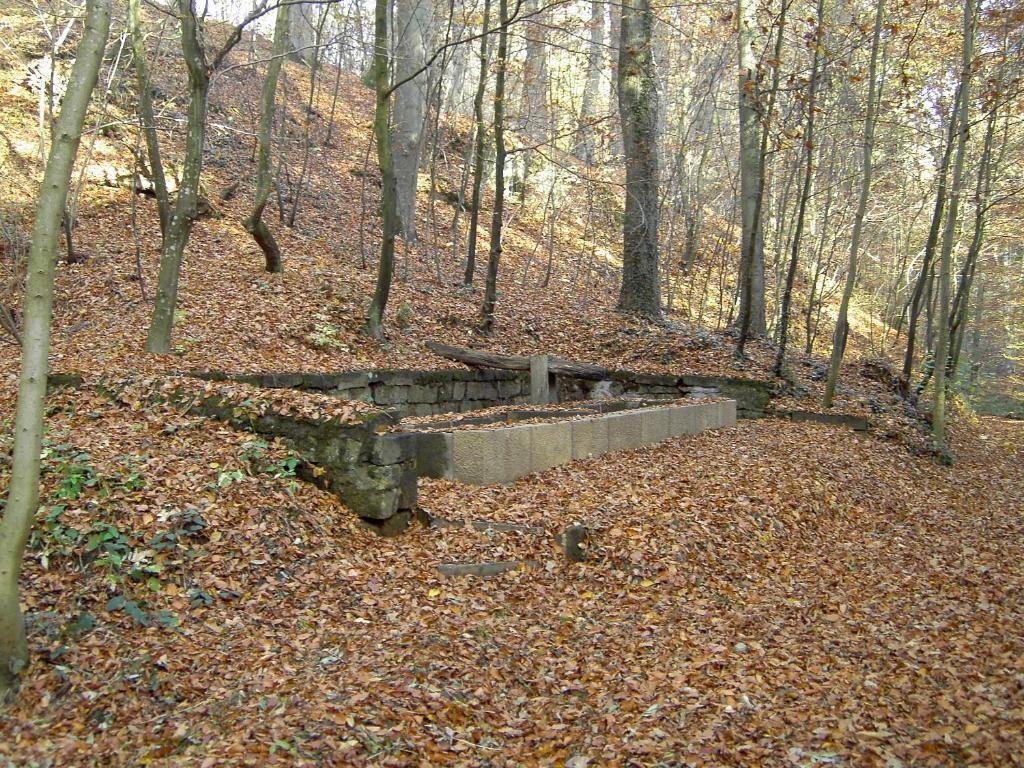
(501, 455)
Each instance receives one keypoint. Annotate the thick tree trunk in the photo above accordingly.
(145, 90)
(478, 153)
(388, 197)
(302, 25)
(254, 224)
(494, 256)
(638, 109)
(180, 228)
(412, 21)
(23, 492)
(751, 170)
(960, 116)
(808, 143)
(841, 330)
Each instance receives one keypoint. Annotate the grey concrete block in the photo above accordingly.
(589, 437)
(419, 393)
(518, 452)
(434, 454)
(654, 425)
(551, 445)
(392, 449)
(478, 456)
(683, 420)
(729, 416)
(625, 431)
(481, 390)
(387, 394)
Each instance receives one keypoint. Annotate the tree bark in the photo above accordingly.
(751, 173)
(180, 227)
(841, 330)
(638, 110)
(145, 90)
(254, 224)
(478, 152)
(412, 20)
(23, 492)
(808, 143)
(587, 142)
(960, 116)
(388, 196)
(494, 256)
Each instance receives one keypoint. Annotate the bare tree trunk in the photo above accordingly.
(255, 225)
(841, 330)
(180, 228)
(958, 314)
(960, 116)
(494, 257)
(23, 492)
(751, 173)
(478, 152)
(753, 157)
(145, 89)
(638, 109)
(587, 144)
(315, 64)
(302, 31)
(388, 201)
(413, 20)
(929, 251)
(808, 142)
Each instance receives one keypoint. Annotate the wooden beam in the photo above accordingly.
(481, 359)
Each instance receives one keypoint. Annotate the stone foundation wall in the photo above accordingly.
(751, 396)
(406, 393)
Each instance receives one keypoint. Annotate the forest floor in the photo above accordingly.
(773, 594)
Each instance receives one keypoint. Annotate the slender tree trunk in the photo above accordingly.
(180, 228)
(638, 110)
(751, 172)
(23, 492)
(960, 116)
(315, 64)
(587, 144)
(254, 224)
(808, 141)
(494, 257)
(958, 315)
(842, 328)
(478, 153)
(388, 195)
(145, 89)
(751, 273)
(413, 20)
(929, 251)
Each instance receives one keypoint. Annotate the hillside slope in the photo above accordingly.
(235, 316)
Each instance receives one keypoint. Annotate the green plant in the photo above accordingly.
(53, 537)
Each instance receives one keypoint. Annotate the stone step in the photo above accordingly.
(485, 569)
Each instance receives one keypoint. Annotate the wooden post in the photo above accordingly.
(540, 380)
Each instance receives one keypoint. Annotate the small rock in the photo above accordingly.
(740, 648)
